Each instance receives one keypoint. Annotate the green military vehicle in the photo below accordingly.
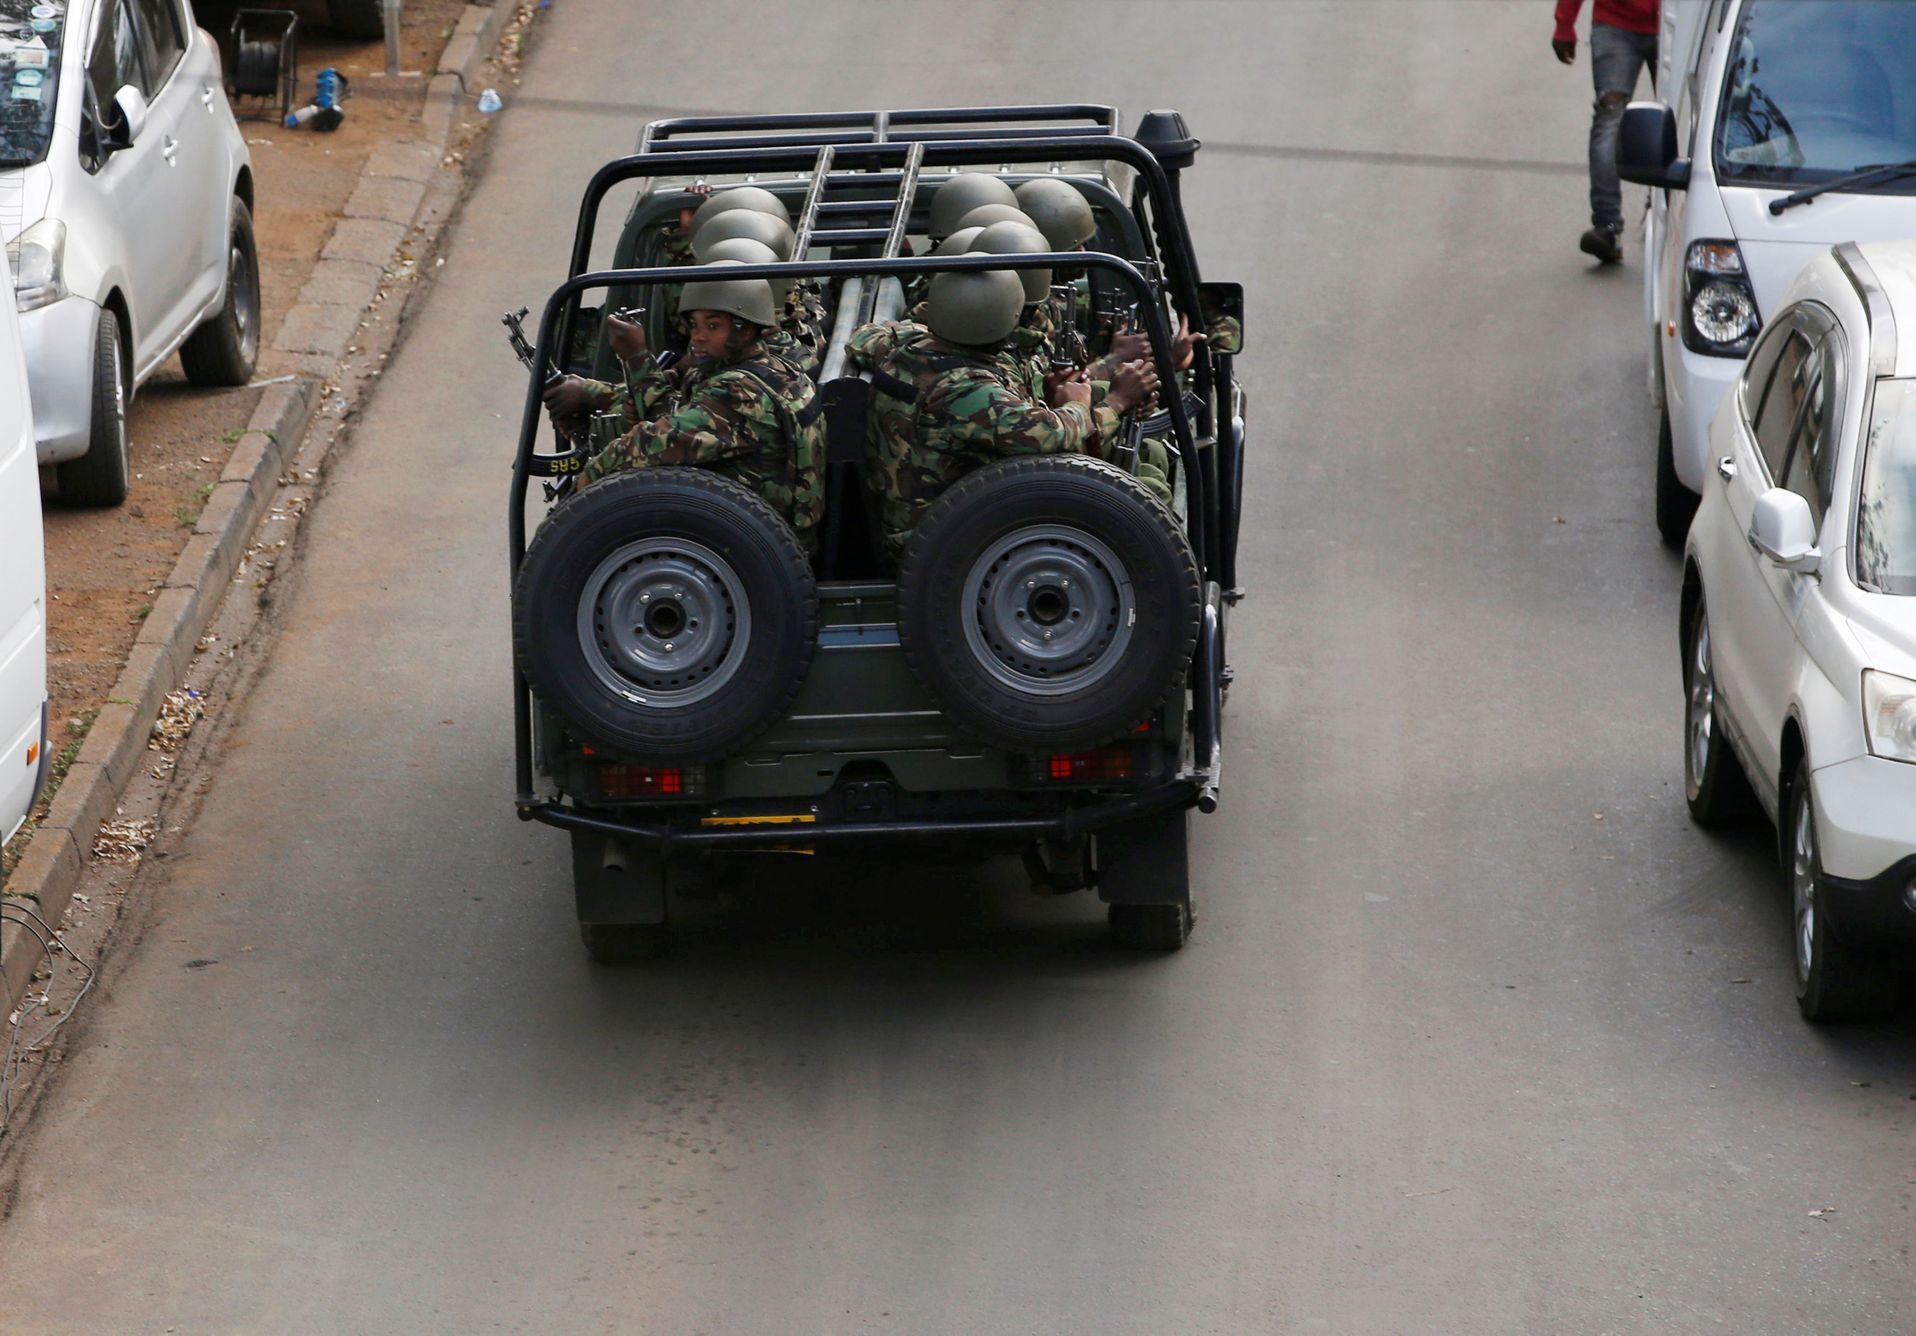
(1043, 670)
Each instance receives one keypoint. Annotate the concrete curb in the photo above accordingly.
(316, 333)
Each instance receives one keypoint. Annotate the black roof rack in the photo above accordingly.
(688, 134)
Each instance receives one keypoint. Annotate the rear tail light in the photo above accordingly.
(642, 781)
(1107, 763)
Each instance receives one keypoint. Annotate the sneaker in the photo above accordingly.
(1606, 243)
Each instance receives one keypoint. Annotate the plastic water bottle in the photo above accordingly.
(489, 101)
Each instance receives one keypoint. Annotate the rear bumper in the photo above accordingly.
(671, 837)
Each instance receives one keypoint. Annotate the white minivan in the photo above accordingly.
(1788, 126)
(23, 619)
(126, 196)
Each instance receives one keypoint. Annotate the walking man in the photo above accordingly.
(1623, 40)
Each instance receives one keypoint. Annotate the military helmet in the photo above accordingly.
(958, 242)
(1059, 211)
(755, 198)
(976, 308)
(959, 195)
(987, 214)
(1010, 238)
(744, 298)
(762, 228)
(744, 250)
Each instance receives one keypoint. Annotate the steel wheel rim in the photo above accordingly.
(242, 283)
(1048, 610)
(1702, 708)
(664, 622)
(1803, 884)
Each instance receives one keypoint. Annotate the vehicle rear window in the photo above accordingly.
(1886, 509)
(32, 34)
(1818, 88)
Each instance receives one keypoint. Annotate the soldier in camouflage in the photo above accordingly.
(945, 399)
(737, 408)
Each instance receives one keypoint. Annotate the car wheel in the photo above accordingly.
(1713, 781)
(1676, 504)
(100, 476)
(1832, 983)
(1151, 927)
(225, 349)
(667, 614)
(1048, 602)
(624, 943)
(363, 20)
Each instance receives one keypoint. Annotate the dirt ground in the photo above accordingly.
(104, 567)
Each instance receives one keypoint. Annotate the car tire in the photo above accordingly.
(668, 615)
(1048, 603)
(1832, 982)
(225, 348)
(1676, 504)
(1164, 927)
(362, 20)
(102, 475)
(1713, 781)
(624, 943)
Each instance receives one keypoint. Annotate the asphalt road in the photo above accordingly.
(1476, 1033)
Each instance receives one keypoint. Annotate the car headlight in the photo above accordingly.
(1719, 305)
(1889, 715)
(39, 264)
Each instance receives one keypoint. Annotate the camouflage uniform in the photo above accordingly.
(939, 411)
(754, 418)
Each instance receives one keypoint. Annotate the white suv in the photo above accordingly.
(1799, 617)
(23, 608)
(126, 206)
(1756, 160)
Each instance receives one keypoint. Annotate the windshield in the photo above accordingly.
(31, 33)
(1817, 89)
(1886, 513)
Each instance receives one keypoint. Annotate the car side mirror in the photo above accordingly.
(1647, 147)
(129, 105)
(1784, 531)
(1221, 305)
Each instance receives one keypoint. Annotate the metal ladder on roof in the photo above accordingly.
(828, 221)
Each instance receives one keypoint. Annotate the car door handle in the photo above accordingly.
(1726, 468)
(168, 147)
(206, 96)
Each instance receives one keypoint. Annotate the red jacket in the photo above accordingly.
(1630, 15)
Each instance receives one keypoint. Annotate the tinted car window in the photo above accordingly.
(1762, 362)
(160, 42)
(1886, 504)
(115, 61)
(1788, 387)
(1817, 88)
(1813, 456)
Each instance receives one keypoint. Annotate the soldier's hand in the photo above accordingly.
(1067, 388)
(626, 337)
(1566, 51)
(568, 398)
(1184, 346)
(1128, 345)
(703, 191)
(1133, 385)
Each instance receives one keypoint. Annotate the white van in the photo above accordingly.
(23, 590)
(1758, 159)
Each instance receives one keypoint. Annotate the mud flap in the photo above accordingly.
(1146, 862)
(617, 881)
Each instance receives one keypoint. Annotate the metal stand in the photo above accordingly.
(392, 71)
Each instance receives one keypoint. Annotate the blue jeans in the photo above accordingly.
(1617, 56)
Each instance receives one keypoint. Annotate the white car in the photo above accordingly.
(126, 199)
(1799, 617)
(23, 609)
(1770, 111)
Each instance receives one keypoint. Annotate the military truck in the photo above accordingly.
(1043, 671)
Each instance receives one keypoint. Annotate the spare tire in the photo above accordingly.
(1048, 603)
(668, 615)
